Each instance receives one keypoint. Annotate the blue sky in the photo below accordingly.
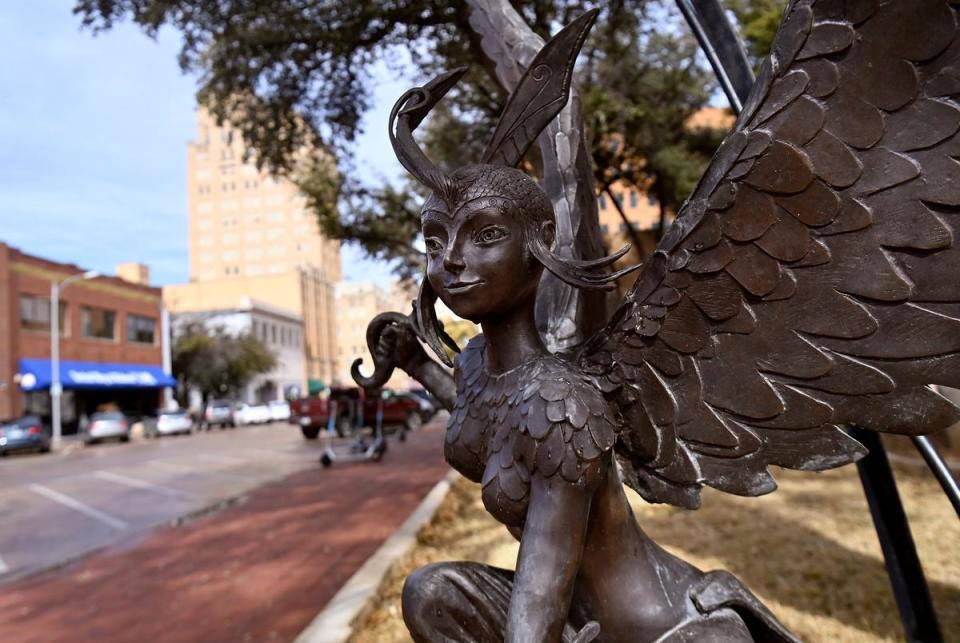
(93, 133)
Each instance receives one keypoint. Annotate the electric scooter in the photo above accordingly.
(359, 450)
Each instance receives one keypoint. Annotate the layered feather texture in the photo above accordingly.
(542, 418)
(813, 278)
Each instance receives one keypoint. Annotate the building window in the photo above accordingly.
(35, 313)
(98, 322)
(651, 201)
(602, 200)
(142, 330)
(273, 334)
(618, 197)
(633, 198)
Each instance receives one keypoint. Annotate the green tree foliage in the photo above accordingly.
(759, 21)
(217, 363)
(640, 87)
(291, 76)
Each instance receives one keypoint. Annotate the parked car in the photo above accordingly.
(218, 413)
(428, 405)
(250, 414)
(25, 433)
(106, 425)
(354, 410)
(279, 410)
(170, 422)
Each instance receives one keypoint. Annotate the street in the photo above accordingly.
(258, 570)
(54, 508)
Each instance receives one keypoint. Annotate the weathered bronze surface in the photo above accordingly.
(808, 283)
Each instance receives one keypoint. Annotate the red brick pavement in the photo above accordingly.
(258, 571)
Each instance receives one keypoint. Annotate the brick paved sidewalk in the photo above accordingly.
(257, 571)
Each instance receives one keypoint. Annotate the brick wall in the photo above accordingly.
(21, 273)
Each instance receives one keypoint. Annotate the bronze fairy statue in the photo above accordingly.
(810, 282)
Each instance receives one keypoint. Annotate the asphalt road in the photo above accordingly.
(54, 508)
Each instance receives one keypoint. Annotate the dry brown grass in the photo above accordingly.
(808, 550)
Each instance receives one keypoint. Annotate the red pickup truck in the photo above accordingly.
(354, 409)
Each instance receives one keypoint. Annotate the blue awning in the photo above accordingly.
(35, 375)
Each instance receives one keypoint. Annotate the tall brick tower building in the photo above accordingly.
(252, 236)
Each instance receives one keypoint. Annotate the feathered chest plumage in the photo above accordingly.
(542, 418)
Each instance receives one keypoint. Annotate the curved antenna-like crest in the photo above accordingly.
(407, 113)
(540, 94)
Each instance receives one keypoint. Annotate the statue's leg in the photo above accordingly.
(721, 626)
(460, 602)
(457, 602)
(720, 592)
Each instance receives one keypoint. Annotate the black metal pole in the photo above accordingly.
(899, 551)
(940, 469)
(722, 48)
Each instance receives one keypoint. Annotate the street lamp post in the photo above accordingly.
(56, 388)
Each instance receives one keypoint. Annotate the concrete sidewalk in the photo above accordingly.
(257, 571)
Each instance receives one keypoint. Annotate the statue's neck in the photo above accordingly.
(511, 339)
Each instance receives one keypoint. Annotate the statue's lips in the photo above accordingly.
(461, 287)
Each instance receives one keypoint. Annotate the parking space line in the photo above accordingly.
(3, 567)
(221, 458)
(173, 466)
(276, 455)
(136, 483)
(76, 505)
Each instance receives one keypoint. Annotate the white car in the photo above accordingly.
(250, 414)
(279, 410)
(167, 423)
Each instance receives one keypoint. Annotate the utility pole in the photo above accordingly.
(56, 388)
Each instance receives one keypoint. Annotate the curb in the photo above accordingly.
(334, 623)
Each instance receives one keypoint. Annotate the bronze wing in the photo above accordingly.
(813, 278)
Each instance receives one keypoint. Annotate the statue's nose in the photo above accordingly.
(453, 259)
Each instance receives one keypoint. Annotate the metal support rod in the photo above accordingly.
(940, 469)
(722, 48)
(899, 551)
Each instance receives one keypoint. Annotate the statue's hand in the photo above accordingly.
(392, 342)
(587, 633)
(398, 344)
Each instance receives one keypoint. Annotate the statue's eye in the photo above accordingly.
(490, 234)
(433, 245)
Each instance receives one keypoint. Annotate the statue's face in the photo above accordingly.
(477, 262)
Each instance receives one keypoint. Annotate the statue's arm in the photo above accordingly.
(436, 380)
(398, 345)
(550, 552)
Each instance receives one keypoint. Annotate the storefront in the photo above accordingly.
(111, 335)
(88, 387)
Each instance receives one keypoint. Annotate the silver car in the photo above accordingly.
(102, 426)
(168, 423)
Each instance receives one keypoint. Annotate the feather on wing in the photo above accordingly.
(811, 279)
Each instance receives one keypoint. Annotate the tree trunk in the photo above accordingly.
(565, 315)
(663, 216)
(631, 231)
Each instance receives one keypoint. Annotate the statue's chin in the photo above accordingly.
(467, 310)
